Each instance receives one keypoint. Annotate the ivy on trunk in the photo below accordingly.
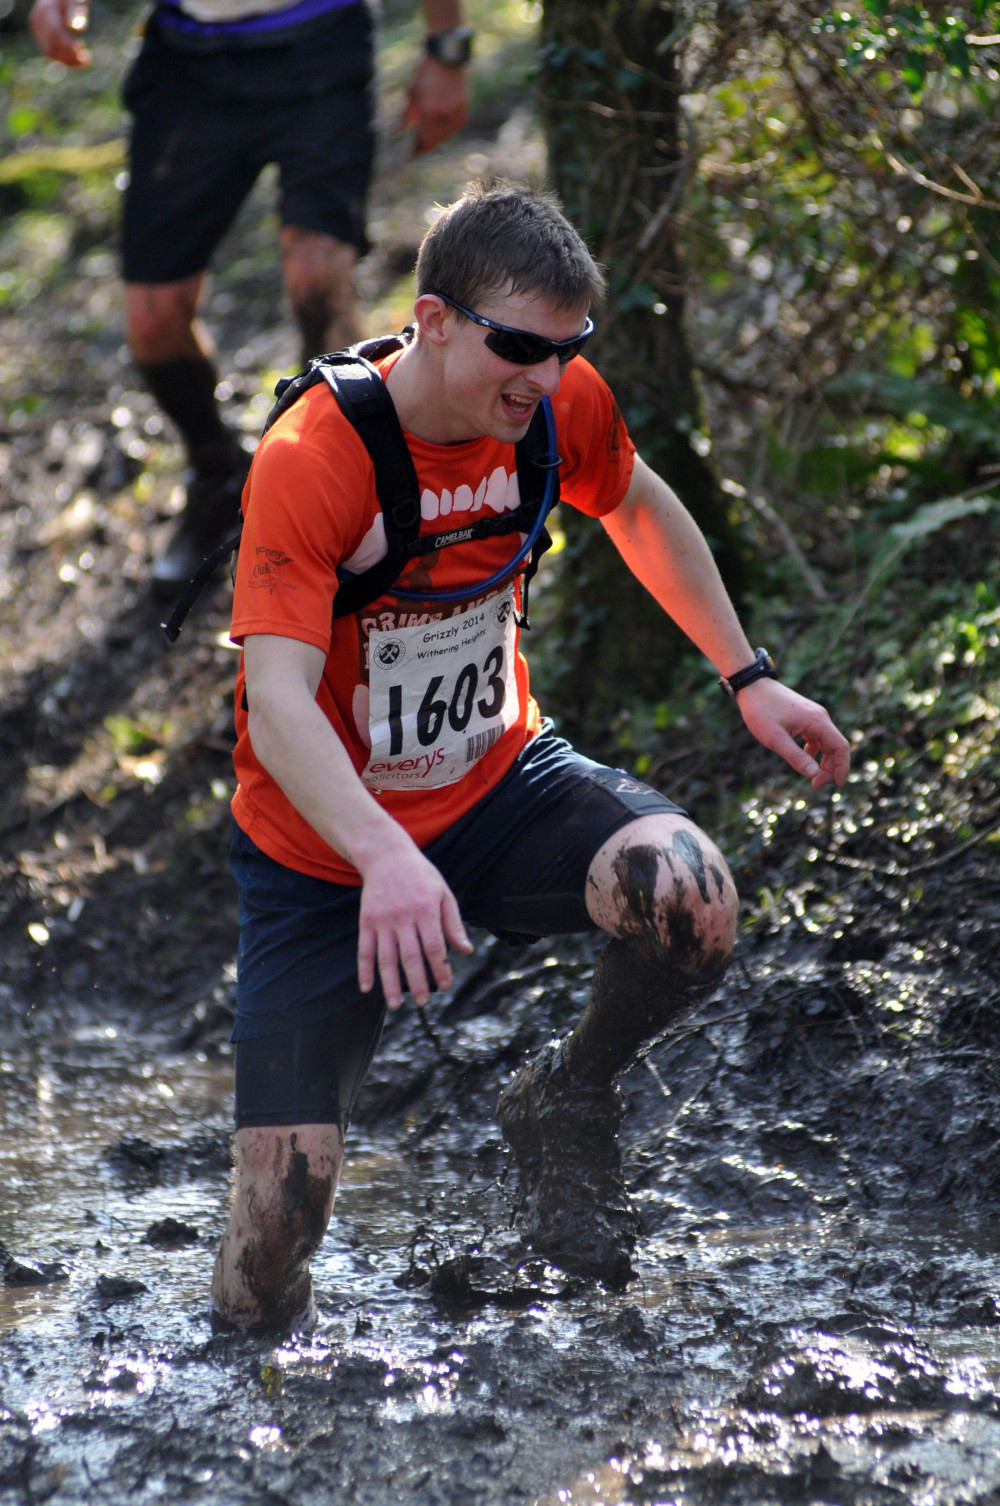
(609, 87)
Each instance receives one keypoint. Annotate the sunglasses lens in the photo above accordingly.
(574, 348)
(522, 349)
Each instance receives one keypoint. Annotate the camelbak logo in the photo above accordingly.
(457, 536)
(393, 651)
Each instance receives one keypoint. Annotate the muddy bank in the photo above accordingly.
(813, 1155)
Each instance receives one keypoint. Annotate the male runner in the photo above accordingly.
(396, 780)
(220, 89)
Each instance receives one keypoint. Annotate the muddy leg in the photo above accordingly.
(663, 892)
(175, 357)
(318, 273)
(662, 889)
(283, 1191)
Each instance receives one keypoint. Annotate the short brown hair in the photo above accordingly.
(503, 237)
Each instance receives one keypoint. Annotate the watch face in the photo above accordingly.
(451, 47)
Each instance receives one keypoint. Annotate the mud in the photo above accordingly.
(815, 1315)
(689, 850)
(693, 960)
(571, 1200)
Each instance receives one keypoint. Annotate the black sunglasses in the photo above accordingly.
(520, 346)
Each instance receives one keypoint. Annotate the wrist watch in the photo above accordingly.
(453, 48)
(762, 668)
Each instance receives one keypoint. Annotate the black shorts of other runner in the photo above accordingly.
(517, 863)
(207, 121)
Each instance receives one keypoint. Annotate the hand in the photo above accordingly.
(777, 715)
(437, 104)
(408, 913)
(58, 27)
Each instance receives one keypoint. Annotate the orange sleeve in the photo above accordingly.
(594, 443)
(308, 500)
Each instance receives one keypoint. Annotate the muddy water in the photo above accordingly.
(814, 1320)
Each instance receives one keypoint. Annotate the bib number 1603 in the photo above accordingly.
(441, 695)
(457, 707)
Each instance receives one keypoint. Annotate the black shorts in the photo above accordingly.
(517, 864)
(205, 123)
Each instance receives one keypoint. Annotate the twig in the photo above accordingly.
(896, 870)
(816, 588)
(975, 201)
(432, 1035)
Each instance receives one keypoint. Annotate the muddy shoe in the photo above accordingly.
(211, 515)
(564, 1137)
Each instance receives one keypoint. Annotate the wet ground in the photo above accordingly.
(816, 1313)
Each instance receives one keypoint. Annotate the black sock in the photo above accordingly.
(633, 1000)
(313, 319)
(185, 390)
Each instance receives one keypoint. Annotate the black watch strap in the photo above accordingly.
(762, 668)
(454, 47)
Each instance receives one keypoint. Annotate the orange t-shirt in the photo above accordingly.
(310, 507)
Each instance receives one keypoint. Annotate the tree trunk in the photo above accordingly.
(610, 100)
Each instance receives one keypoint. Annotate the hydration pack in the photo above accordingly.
(364, 399)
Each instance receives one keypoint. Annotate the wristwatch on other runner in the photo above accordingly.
(453, 48)
(762, 668)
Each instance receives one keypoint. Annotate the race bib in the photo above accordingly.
(440, 695)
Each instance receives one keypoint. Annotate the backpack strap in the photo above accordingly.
(364, 399)
(538, 462)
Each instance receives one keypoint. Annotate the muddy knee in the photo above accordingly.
(319, 279)
(302, 1212)
(664, 887)
(283, 1197)
(664, 892)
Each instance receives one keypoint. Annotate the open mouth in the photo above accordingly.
(518, 408)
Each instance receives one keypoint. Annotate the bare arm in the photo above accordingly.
(438, 99)
(407, 910)
(58, 27)
(665, 549)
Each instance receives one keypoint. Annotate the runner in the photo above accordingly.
(396, 780)
(220, 89)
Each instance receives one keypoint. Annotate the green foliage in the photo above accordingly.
(842, 227)
(928, 520)
(938, 690)
(822, 470)
(911, 42)
(26, 120)
(968, 419)
(136, 736)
